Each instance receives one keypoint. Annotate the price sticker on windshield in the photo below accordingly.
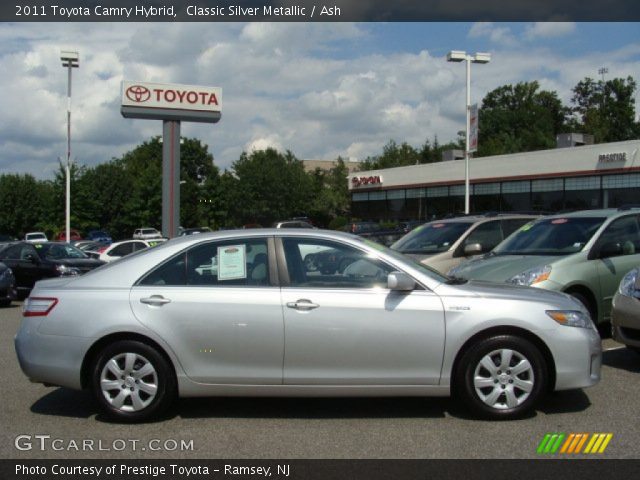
(559, 221)
(232, 262)
(438, 225)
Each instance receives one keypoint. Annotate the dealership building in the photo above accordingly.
(570, 177)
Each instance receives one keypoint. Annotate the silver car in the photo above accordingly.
(237, 313)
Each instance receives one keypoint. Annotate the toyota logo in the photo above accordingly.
(138, 93)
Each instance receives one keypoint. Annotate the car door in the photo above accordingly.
(23, 259)
(217, 304)
(346, 327)
(616, 252)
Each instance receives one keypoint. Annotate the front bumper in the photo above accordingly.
(625, 320)
(577, 353)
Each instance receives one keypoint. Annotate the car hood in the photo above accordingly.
(493, 290)
(500, 268)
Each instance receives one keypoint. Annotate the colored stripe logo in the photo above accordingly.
(574, 443)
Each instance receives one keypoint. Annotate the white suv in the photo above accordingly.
(36, 237)
(146, 234)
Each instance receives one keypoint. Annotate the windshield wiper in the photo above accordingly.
(453, 280)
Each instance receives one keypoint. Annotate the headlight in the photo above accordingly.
(531, 276)
(571, 318)
(627, 285)
(64, 270)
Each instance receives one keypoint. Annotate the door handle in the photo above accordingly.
(155, 300)
(303, 304)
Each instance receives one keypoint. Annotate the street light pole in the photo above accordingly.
(70, 60)
(459, 56)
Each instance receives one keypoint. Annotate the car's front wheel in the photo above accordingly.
(132, 381)
(502, 377)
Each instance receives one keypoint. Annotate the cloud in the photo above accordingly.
(549, 30)
(496, 34)
(308, 88)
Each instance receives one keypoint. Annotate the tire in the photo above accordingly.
(502, 395)
(132, 381)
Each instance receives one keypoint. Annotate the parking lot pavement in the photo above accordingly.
(61, 423)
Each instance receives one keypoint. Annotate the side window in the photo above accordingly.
(121, 250)
(139, 246)
(326, 264)
(488, 235)
(235, 263)
(622, 237)
(13, 253)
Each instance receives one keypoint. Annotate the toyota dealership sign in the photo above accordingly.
(171, 101)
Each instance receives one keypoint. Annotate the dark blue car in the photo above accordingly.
(100, 236)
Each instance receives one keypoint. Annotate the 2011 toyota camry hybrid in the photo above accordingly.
(239, 314)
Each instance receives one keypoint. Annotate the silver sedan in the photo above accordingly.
(240, 313)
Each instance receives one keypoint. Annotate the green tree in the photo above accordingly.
(519, 118)
(605, 110)
(393, 155)
(24, 202)
(268, 186)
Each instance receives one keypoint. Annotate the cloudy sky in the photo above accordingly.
(320, 90)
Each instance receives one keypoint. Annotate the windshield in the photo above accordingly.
(405, 259)
(431, 238)
(553, 236)
(36, 236)
(59, 251)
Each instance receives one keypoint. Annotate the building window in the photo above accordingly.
(437, 192)
(395, 194)
(416, 193)
(516, 187)
(629, 180)
(360, 197)
(582, 183)
(486, 189)
(456, 190)
(550, 185)
(380, 195)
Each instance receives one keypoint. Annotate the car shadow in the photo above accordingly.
(81, 404)
(623, 359)
(565, 401)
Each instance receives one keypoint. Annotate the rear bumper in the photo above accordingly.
(50, 359)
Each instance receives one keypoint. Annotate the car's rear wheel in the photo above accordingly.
(132, 381)
(501, 377)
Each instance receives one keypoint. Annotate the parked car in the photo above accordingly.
(584, 254)
(35, 237)
(62, 236)
(625, 314)
(100, 236)
(126, 247)
(146, 234)
(374, 231)
(90, 247)
(158, 324)
(444, 244)
(193, 231)
(7, 285)
(31, 262)
(407, 226)
(292, 224)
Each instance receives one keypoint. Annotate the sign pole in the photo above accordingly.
(170, 178)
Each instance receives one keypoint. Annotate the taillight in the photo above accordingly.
(38, 306)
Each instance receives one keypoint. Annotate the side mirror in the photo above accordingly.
(610, 249)
(400, 282)
(472, 249)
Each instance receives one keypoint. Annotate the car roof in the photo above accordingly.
(603, 212)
